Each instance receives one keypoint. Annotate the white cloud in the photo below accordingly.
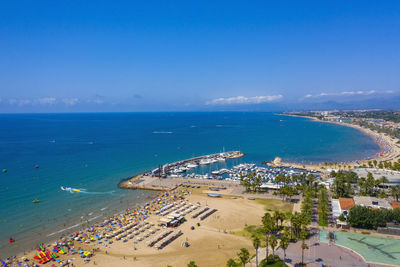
(46, 100)
(244, 100)
(70, 101)
(347, 93)
(98, 101)
(24, 102)
(95, 100)
(19, 102)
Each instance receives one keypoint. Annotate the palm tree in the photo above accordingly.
(384, 180)
(231, 263)
(303, 247)
(244, 256)
(268, 227)
(276, 217)
(303, 237)
(256, 245)
(284, 245)
(273, 242)
(395, 192)
(279, 217)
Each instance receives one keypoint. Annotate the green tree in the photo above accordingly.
(192, 264)
(303, 237)
(284, 245)
(231, 263)
(268, 227)
(273, 242)
(395, 192)
(384, 180)
(256, 245)
(365, 218)
(244, 256)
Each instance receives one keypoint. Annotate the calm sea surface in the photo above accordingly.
(95, 151)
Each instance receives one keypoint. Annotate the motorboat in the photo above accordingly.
(205, 161)
(192, 165)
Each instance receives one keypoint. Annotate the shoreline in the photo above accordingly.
(124, 183)
(59, 234)
(389, 149)
(147, 217)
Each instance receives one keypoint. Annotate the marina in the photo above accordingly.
(169, 176)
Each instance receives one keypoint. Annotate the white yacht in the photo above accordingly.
(192, 165)
(213, 160)
(205, 161)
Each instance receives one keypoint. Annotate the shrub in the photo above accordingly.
(272, 261)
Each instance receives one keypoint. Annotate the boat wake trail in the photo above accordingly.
(83, 191)
(162, 132)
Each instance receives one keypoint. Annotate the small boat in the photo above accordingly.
(4, 170)
(205, 161)
(37, 166)
(192, 165)
(213, 161)
(36, 201)
(11, 240)
(213, 195)
(71, 189)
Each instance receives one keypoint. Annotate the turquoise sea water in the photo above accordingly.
(95, 151)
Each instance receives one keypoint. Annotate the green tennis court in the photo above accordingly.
(373, 249)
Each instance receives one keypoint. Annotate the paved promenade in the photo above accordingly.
(319, 252)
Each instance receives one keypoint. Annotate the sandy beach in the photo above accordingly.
(389, 149)
(211, 241)
(123, 240)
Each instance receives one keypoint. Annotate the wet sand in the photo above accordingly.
(210, 244)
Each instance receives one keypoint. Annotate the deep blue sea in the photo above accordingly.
(95, 151)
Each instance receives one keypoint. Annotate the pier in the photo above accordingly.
(157, 179)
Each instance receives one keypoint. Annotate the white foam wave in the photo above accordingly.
(72, 226)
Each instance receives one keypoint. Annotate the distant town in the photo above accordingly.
(379, 120)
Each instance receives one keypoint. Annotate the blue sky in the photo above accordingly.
(61, 56)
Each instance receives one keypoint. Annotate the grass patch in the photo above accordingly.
(322, 219)
(320, 223)
(275, 204)
(252, 230)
